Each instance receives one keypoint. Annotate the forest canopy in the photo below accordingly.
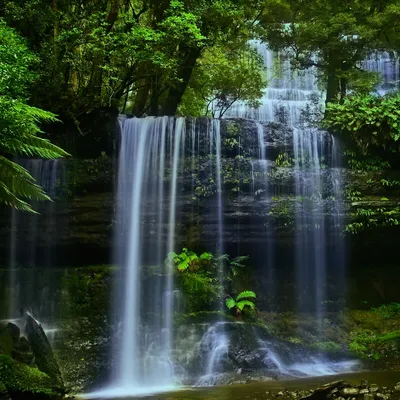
(164, 57)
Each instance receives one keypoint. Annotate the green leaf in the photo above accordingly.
(230, 303)
(247, 294)
(245, 303)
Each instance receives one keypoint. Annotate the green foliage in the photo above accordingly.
(284, 161)
(370, 121)
(369, 212)
(388, 311)
(197, 279)
(243, 302)
(20, 378)
(222, 77)
(240, 274)
(369, 344)
(328, 347)
(340, 36)
(365, 163)
(136, 54)
(188, 260)
(19, 123)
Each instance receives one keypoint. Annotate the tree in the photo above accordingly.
(222, 77)
(333, 35)
(19, 123)
(138, 55)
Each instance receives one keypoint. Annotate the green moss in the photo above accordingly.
(88, 290)
(327, 347)
(369, 344)
(202, 317)
(388, 311)
(20, 378)
(6, 341)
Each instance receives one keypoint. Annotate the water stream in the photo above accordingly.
(170, 171)
(161, 163)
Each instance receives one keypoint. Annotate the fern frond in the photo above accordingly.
(245, 303)
(16, 182)
(247, 294)
(9, 199)
(36, 114)
(240, 261)
(206, 256)
(33, 146)
(230, 303)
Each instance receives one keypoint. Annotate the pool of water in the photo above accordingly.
(257, 391)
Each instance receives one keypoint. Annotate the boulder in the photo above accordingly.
(322, 392)
(44, 357)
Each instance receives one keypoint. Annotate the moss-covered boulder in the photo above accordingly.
(19, 381)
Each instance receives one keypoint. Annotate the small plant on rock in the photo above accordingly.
(244, 301)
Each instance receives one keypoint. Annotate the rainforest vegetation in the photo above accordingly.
(65, 59)
(250, 224)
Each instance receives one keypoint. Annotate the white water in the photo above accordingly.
(28, 236)
(152, 357)
(287, 94)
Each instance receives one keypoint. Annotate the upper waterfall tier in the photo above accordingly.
(290, 92)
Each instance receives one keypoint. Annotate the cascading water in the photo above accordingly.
(387, 65)
(171, 170)
(32, 248)
(288, 93)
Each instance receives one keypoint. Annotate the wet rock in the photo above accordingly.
(381, 396)
(363, 384)
(323, 391)
(6, 340)
(44, 357)
(5, 396)
(13, 331)
(363, 391)
(22, 352)
(350, 391)
(373, 388)
(397, 387)
(368, 396)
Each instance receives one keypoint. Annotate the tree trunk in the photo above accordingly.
(332, 86)
(141, 98)
(175, 93)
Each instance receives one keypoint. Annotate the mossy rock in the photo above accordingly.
(202, 317)
(24, 382)
(6, 340)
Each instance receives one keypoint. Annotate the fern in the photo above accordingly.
(245, 295)
(241, 304)
(230, 303)
(18, 136)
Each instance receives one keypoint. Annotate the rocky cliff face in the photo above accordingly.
(261, 207)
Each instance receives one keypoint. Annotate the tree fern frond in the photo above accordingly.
(245, 303)
(246, 295)
(17, 182)
(9, 199)
(230, 302)
(36, 114)
(33, 146)
(240, 261)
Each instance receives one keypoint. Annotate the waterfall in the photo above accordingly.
(32, 241)
(387, 65)
(174, 176)
(288, 93)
